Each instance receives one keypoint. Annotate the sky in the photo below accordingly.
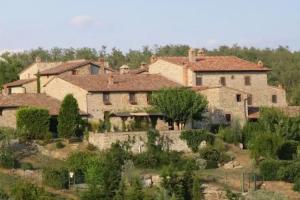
(132, 24)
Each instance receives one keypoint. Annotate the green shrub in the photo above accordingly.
(34, 122)
(287, 150)
(296, 186)
(26, 166)
(249, 131)
(68, 118)
(231, 135)
(59, 145)
(210, 154)
(7, 159)
(3, 195)
(289, 172)
(270, 169)
(193, 138)
(56, 178)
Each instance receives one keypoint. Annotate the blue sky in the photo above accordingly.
(132, 24)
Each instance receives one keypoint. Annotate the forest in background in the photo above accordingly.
(285, 64)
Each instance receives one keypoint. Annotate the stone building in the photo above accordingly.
(232, 86)
(123, 95)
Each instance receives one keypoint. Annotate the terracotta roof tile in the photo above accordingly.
(36, 100)
(19, 82)
(67, 66)
(216, 63)
(119, 82)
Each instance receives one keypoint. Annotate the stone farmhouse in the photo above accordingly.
(234, 88)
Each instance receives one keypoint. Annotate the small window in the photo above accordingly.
(106, 99)
(198, 80)
(249, 100)
(247, 80)
(74, 72)
(132, 99)
(238, 97)
(1, 111)
(149, 98)
(228, 117)
(223, 81)
(274, 98)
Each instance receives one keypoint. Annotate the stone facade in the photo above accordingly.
(104, 140)
(31, 71)
(118, 102)
(58, 88)
(8, 117)
(25, 88)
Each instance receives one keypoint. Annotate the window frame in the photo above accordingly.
(274, 98)
(250, 100)
(238, 98)
(132, 98)
(247, 80)
(200, 79)
(106, 98)
(223, 80)
(228, 117)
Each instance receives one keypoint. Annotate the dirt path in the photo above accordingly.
(63, 193)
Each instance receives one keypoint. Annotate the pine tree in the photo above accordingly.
(68, 118)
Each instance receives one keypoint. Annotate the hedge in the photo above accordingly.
(56, 178)
(193, 138)
(271, 169)
(33, 123)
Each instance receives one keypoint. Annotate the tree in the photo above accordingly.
(68, 118)
(179, 104)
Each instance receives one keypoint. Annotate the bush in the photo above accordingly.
(231, 135)
(270, 169)
(68, 118)
(59, 145)
(249, 131)
(210, 154)
(3, 195)
(193, 138)
(7, 159)
(287, 150)
(289, 172)
(56, 178)
(34, 122)
(26, 166)
(296, 186)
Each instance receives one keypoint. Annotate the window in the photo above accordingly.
(74, 72)
(198, 80)
(228, 117)
(274, 98)
(149, 98)
(94, 70)
(106, 99)
(238, 97)
(223, 81)
(132, 99)
(249, 100)
(247, 80)
(1, 111)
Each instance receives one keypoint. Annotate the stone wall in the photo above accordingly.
(104, 140)
(8, 118)
(119, 102)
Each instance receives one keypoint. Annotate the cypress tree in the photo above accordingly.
(68, 118)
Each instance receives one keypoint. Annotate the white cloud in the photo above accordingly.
(82, 20)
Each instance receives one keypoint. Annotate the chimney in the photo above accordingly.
(124, 69)
(38, 59)
(192, 56)
(153, 59)
(260, 63)
(201, 53)
(101, 60)
(110, 79)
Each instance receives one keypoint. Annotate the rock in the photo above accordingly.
(232, 165)
(203, 144)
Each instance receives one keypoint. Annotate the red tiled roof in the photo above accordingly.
(291, 111)
(216, 63)
(119, 82)
(19, 82)
(36, 100)
(64, 67)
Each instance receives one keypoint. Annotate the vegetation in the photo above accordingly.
(68, 118)
(32, 123)
(194, 138)
(188, 105)
(56, 178)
